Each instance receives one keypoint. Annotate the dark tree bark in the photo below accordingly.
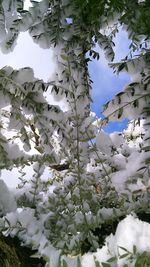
(12, 254)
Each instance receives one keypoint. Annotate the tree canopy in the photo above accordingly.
(97, 179)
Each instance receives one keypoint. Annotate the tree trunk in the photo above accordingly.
(12, 254)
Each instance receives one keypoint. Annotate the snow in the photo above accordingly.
(2, 31)
(117, 139)
(7, 199)
(128, 170)
(10, 148)
(117, 156)
(4, 100)
(103, 142)
(119, 162)
(27, 4)
(24, 75)
(130, 232)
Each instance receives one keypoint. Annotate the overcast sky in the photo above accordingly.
(105, 86)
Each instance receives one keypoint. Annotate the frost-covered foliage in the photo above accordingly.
(96, 179)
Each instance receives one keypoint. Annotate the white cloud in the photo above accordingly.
(29, 54)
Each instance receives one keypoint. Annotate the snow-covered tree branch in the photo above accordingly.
(98, 182)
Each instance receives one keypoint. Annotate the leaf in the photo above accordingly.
(142, 168)
(121, 66)
(64, 57)
(125, 249)
(146, 148)
(138, 264)
(105, 106)
(97, 264)
(65, 263)
(78, 262)
(147, 161)
(112, 259)
(134, 249)
(22, 11)
(119, 99)
(105, 264)
(135, 103)
(36, 255)
(148, 123)
(6, 220)
(119, 94)
(43, 87)
(124, 255)
(132, 91)
(120, 112)
(133, 84)
(2, 140)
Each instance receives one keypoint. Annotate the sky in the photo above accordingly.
(105, 83)
(29, 54)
